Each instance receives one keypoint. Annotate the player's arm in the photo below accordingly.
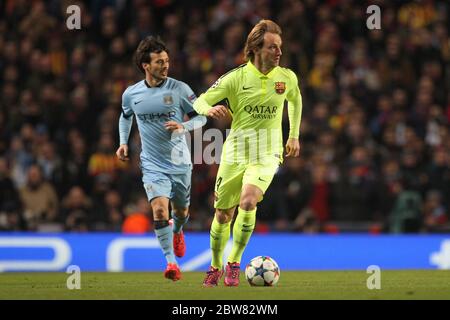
(220, 90)
(195, 121)
(187, 98)
(295, 107)
(125, 123)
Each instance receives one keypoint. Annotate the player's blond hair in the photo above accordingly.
(255, 38)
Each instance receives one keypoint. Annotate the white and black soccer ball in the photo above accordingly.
(262, 271)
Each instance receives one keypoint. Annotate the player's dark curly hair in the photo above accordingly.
(146, 46)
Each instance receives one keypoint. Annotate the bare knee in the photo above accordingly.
(248, 202)
(160, 213)
(250, 197)
(224, 215)
(160, 210)
(180, 212)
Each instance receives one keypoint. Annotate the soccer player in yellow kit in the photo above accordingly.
(255, 93)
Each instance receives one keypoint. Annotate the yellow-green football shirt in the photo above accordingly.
(255, 101)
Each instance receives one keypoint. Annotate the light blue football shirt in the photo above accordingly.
(153, 106)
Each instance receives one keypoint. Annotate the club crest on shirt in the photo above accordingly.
(280, 87)
(168, 100)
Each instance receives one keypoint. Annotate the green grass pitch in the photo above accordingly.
(299, 285)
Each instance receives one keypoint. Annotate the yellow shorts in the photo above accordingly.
(232, 176)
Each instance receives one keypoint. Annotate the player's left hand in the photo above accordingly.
(292, 147)
(174, 126)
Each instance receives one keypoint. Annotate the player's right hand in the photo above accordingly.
(292, 147)
(217, 112)
(122, 152)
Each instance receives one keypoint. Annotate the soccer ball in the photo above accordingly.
(262, 271)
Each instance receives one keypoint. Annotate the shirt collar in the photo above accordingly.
(158, 86)
(258, 73)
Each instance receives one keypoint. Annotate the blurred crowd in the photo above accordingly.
(375, 141)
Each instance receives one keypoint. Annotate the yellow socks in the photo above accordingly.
(242, 231)
(219, 235)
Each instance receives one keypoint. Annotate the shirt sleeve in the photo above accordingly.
(295, 106)
(127, 110)
(219, 91)
(187, 98)
(126, 119)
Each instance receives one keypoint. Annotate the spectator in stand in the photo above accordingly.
(353, 196)
(435, 213)
(137, 220)
(104, 166)
(10, 204)
(39, 198)
(76, 210)
(109, 213)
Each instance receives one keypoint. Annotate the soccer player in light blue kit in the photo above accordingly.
(160, 104)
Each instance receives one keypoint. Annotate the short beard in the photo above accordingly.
(270, 65)
(158, 78)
